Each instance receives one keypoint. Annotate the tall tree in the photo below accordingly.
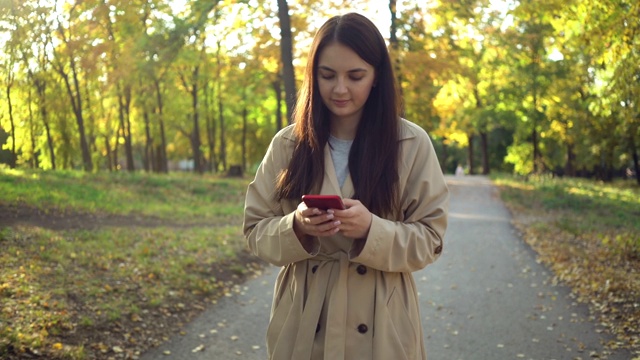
(190, 77)
(394, 42)
(286, 50)
(70, 72)
(9, 82)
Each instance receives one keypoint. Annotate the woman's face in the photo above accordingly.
(345, 81)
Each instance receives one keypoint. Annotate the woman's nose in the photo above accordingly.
(341, 86)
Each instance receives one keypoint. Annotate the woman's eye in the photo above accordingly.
(326, 77)
(357, 78)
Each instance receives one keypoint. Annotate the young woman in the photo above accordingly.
(345, 289)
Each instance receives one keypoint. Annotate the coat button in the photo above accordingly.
(362, 328)
(361, 269)
(438, 249)
(314, 268)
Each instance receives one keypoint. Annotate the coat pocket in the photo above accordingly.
(280, 314)
(402, 328)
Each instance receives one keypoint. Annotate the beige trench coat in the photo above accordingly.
(349, 299)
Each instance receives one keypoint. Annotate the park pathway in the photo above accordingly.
(486, 298)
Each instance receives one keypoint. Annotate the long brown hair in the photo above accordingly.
(373, 159)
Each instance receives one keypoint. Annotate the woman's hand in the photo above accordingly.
(355, 221)
(314, 222)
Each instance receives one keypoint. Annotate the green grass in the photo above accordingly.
(78, 281)
(584, 205)
(124, 193)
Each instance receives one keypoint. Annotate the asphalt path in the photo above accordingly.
(486, 298)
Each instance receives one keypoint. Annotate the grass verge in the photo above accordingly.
(99, 292)
(588, 232)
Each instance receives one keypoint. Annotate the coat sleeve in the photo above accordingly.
(268, 230)
(415, 242)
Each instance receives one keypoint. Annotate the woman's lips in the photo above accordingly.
(340, 103)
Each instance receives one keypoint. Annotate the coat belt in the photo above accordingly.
(335, 335)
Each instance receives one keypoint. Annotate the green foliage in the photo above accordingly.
(520, 156)
(153, 83)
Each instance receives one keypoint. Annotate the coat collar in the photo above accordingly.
(330, 183)
(406, 132)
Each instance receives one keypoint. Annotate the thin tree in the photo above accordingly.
(72, 85)
(286, 52)
(394, 42)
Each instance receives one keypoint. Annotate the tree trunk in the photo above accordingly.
(223, 151)
(148, 143)
(47, 127)
(569, 167)
(128, 142)
(116, 146)
(32, 131)
(470, 154)
(286, 53)
(163, 161)
(124, 106)
(84, 145)
(122, 133)
(14, 156)
(90, 121)
(44, 114)
(393, 41)
(211, 128)
(76, 103)
(484, 143)
(161, 152)
(278, 90)
(195, 134)
(107, 146)
(244, 132)
(445, 156)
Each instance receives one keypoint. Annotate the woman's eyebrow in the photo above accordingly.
(326, 68)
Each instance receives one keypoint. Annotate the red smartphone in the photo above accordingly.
(323, 202)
